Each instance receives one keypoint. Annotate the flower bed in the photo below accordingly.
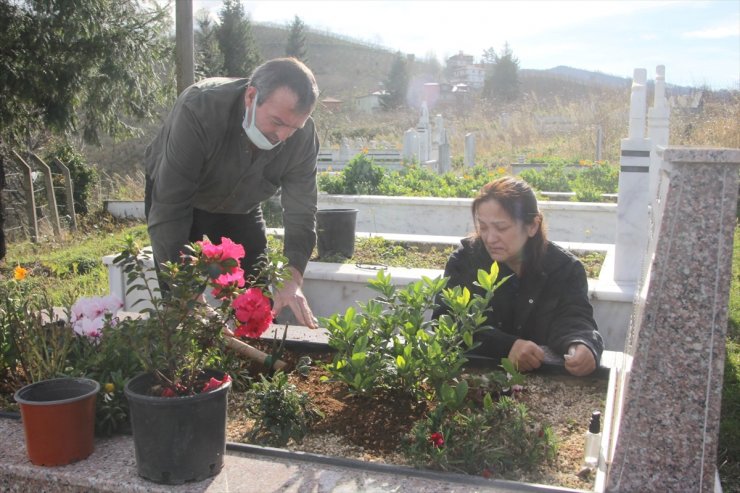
(372, 430)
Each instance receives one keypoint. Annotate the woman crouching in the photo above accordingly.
(544, 302)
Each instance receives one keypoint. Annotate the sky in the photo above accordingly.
(697, 41)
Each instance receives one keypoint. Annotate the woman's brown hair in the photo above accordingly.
(519, 201)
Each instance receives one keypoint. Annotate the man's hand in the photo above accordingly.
(580, 360)
(291, 296)
(526, 355)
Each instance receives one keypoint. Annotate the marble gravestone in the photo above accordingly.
(669, 389)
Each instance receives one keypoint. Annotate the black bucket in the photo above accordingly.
(335, 230)
(178, 439)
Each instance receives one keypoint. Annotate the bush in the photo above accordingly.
(362, 176)
(83, 176)
(498, 438)
(595, 179)
(279, 410)
(554, 177)
(589, 181)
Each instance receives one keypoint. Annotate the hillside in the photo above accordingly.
(346, 69)
(343, 68)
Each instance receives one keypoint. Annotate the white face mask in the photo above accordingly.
(254, 133)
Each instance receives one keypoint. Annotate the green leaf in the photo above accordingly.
(447, 392)
(488, 402)
(461, 391)
(468, 338)
(507, 365)
(400, 361)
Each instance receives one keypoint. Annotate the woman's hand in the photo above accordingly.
(526, 355)
(580, 360)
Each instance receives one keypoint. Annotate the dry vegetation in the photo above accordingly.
(554, 117)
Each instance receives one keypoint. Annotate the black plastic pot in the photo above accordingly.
(335, 231)
(178, 439)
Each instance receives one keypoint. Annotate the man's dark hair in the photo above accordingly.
(290, 73)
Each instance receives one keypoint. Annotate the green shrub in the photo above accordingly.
(498, 438)
(279, 410)
(390, 343)
(362, 176)
(593, 180)
(555, 177)
(83, 176)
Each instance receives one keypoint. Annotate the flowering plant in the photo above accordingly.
(175, 337)
(89, 315)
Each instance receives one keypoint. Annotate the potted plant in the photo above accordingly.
(178, 405)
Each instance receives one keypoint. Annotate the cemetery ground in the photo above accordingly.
(71, 268)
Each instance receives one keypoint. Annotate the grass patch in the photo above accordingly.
(71, 266)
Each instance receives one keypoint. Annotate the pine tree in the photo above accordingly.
(502, 77)
(296, 45)
(209, 61)
(236, 41)
(397, 83)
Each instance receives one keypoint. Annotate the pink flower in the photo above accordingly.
(210, 250)
(88, 314)
(225, 251)
(215, 384)
(231, 250)
(233, 279)
(253, 313)
(437, 439)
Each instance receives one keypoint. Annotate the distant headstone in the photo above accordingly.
(469, 150)
(410, 145)
(344, 151)
(443, 161)
(439, 128)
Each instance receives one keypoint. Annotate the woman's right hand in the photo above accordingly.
(526, 355)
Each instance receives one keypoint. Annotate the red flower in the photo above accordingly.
(437, 439)
(486, 473)
(168, 392)
(215, 384)
(253, 313)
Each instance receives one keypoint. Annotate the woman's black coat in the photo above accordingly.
(549, 307)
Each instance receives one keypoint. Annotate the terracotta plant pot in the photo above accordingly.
(58, 419)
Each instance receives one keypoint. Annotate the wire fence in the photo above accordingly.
(30, 211)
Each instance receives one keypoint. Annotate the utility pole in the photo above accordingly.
(184, 62)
